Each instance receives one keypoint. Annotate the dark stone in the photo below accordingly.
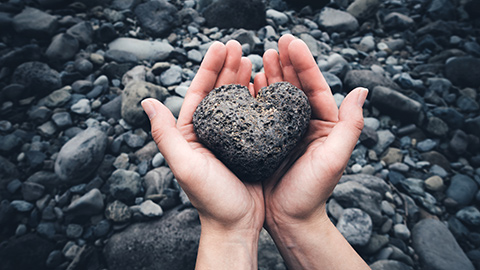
(462, 189)
(49, 180)
(80, 156)
(367, 79)
(252, 136)
(82, 31)
(26, 252)
(34, 22)
(397, 21)
(437, 248)
(32, 191)
(472, 125)
(316, 4)
(15, 57)
(396, 104)
(368, 137)
(35, 158)
(459, 142)
(120, 56)
(249, 14)
(8, 172)
(436, 158)
(62, 48)
(106, 32)
(354, 194)
(132, 95)
(463, 71)
(38, 78)
(112, 109)
(170, 242)
(452, 117)
(441, 10)
(389, 265)
(157, 17)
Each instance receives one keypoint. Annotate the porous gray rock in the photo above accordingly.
(170, 242)
(80, 156)
(252, 136)
(437, 247)
(38, 78)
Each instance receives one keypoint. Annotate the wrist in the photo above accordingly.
(226, 248)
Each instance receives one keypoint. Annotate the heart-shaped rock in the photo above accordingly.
(252, 136)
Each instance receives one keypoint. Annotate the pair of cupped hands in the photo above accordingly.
(294, 197)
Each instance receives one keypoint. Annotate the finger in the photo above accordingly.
(259, 82)
(168, 138)
(251, 89)
(344, 136)
(289, 73)
(233, 59)
(271, 64)
(203, 82)
(312, 81)
(244, 72)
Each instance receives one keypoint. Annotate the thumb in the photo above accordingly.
(168, 138)
(344, 135)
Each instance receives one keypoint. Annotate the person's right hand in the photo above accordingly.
(295, 196)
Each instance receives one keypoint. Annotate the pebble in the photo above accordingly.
(470, 215)
(21, 206)
(356, 226)
(401, 231)
(158, 160)
(150, 209)
(434, 183)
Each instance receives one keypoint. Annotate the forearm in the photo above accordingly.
(220, 249)
(316, 244)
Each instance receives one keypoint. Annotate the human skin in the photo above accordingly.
(291, 203)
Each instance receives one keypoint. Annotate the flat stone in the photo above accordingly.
(142, 49)
(234, 125)
(437, 248)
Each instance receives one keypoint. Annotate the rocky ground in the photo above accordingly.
(82, 185)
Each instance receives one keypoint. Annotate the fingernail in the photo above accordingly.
(149, 108)
(362, 95)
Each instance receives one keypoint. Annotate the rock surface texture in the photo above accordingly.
(252, 136)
